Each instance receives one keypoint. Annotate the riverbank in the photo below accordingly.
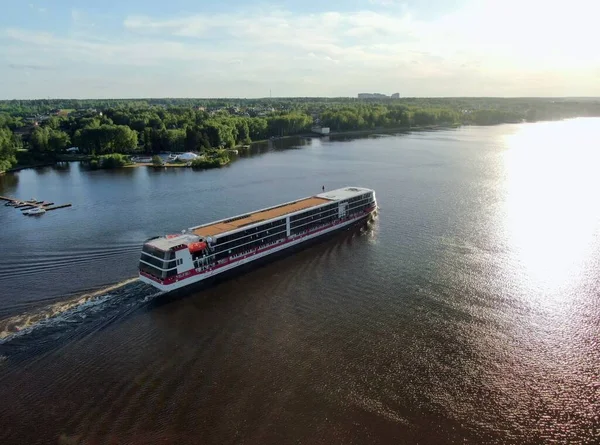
(112, 357)
(393, 130)
(23, 167)
(379, 130)
(64, 157)
(150, 164)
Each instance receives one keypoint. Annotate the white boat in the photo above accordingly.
(175, 261)
(34, 211)
(187, 156)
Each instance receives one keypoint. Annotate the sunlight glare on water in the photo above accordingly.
(467, 312)
(549, 213)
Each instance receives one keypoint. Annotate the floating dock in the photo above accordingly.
(31, 204)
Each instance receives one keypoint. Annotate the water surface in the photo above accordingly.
(468, 312)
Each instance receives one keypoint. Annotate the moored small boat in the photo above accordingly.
(34, 211)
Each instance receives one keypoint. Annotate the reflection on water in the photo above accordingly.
(287, 143)
(550, 216)
(467, 313)
(8, 182)
(62, 167)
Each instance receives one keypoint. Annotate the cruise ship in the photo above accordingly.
(175, 261)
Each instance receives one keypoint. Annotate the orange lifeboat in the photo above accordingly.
(197, 247)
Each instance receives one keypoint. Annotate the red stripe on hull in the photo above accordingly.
(193, 272)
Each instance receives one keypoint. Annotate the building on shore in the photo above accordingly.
(372, 96)
(320, 130)
(378, 96)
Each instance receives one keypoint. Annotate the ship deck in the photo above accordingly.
(261, 215)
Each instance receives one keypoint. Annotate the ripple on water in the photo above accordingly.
(433, 326)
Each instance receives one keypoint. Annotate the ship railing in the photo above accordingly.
(281, 232)
(305, 221)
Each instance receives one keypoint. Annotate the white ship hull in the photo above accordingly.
(195, 276)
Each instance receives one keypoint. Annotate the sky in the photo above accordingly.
(231, 48)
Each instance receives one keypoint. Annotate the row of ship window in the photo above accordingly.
(313, 212)
(330, 212)
(299, 224)
(154, 251)
(249, 245)
(159, 263)
(275, 231)
(157, 272)
(273, 225)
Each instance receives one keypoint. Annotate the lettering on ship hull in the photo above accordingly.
(241, 240)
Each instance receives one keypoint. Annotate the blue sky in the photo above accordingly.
(184, 48)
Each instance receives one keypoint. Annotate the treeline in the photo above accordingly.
(212, 159)
(548, 108)
(155, 130)
(367, 116)
(108, 162)
(184, 129)
(10, 143)
(101, 127)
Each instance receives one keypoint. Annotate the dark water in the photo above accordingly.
(467, 312)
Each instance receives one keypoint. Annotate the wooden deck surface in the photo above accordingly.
(218, 228)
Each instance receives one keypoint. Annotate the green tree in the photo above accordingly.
(58, 140)
(38, 141)
(243, 131)
(257, 128)
(8, 148)
(113, 161)
(157, 161)
(106, 139)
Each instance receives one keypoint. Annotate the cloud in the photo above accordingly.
(39, 9)
(82, 20)
(76, 15)
(18, 66)
(508, 34)
(470, 51)
(387, 2)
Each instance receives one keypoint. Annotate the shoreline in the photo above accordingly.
(384, 130)
(23, 167)
(81, 157)
(150, 164)
(372, 131)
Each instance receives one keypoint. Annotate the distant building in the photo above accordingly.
(372, 96)
(396, 96)
(320, 130)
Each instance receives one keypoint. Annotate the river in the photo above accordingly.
(466, 312)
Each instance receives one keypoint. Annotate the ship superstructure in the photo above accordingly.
(174, 261)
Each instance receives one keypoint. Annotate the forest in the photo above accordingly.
(40, 130)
